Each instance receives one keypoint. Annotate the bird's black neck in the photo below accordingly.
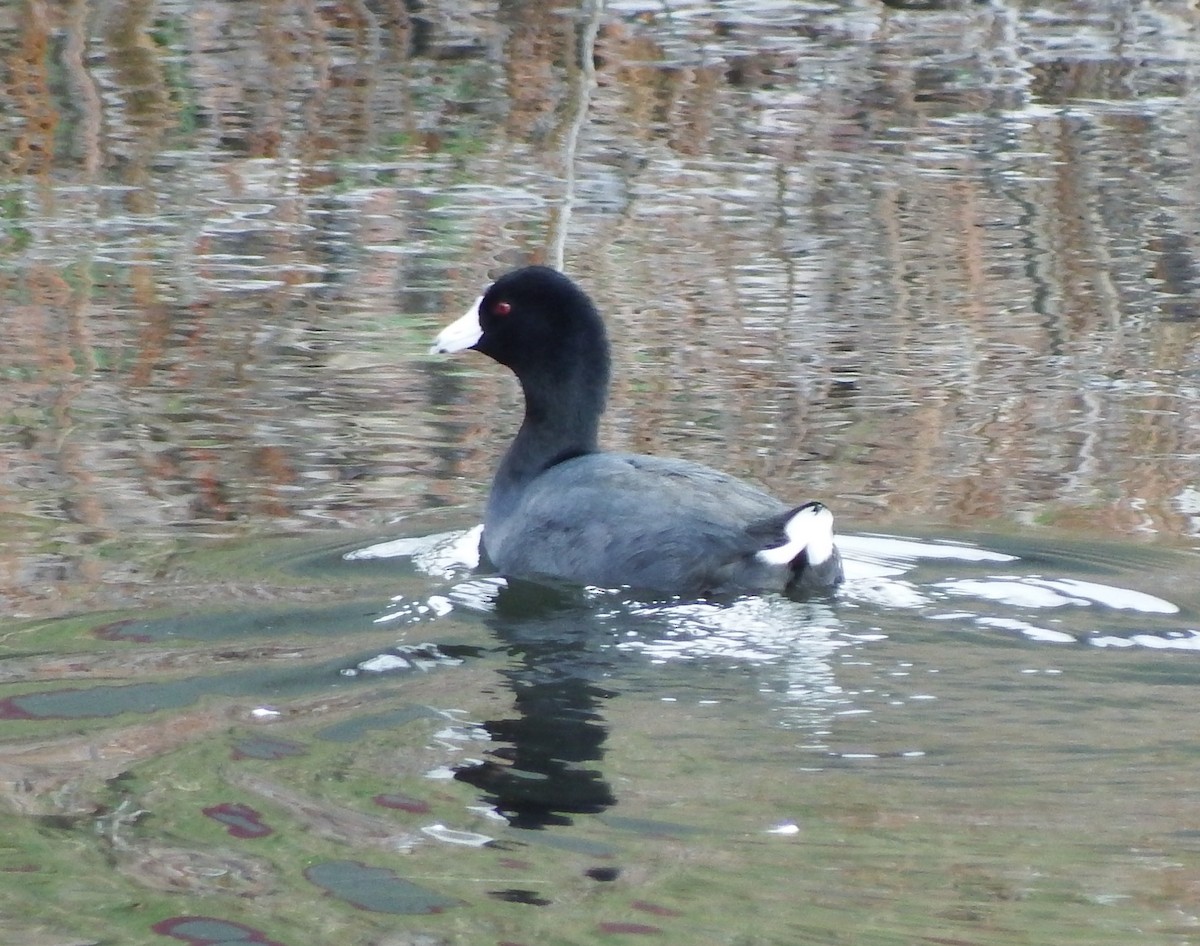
(562, 420)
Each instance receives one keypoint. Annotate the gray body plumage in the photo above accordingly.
(646, 521)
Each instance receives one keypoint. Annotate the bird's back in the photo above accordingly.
(615, 519)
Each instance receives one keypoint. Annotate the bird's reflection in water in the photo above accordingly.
(548, 765)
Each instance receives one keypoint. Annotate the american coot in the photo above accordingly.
(561, 508)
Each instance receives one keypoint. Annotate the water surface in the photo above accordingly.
(934, 266)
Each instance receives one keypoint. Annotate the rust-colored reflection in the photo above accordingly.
(927, 267)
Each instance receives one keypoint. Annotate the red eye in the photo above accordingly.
(501, 308)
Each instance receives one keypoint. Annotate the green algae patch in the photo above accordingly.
(261, 623)
(375, 889)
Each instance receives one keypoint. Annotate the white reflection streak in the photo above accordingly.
(1033, 591)
(439, 555)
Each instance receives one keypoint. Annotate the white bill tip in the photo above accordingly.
(460, 334)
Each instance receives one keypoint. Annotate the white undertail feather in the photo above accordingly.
(811, 529)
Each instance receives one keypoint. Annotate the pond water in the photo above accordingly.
(933, 264)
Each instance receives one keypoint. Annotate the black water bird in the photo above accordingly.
(562, 508)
